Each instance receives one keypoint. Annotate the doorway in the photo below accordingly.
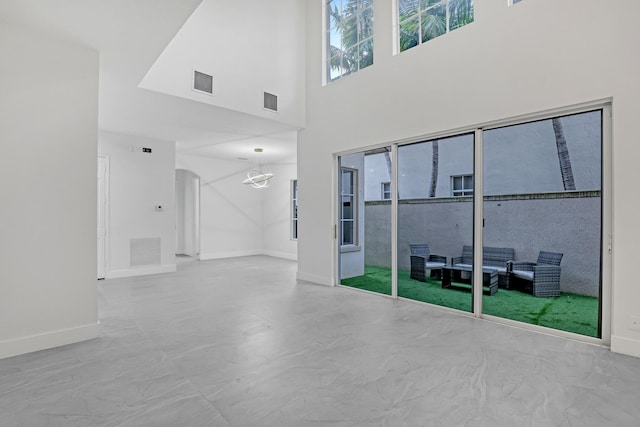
(187, 214)
(542, 187)
(364, 228)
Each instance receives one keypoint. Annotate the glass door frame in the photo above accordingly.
(605, 300)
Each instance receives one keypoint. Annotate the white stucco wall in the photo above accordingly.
(517, 159)
(49, 133)
(501, 66)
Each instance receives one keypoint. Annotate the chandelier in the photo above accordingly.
(260, 175)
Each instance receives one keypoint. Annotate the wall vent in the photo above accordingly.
(270, 101)
(202, 82)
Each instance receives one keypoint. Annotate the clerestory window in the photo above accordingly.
(422, 20)
(349, 33)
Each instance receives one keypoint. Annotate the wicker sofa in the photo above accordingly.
(492, 257)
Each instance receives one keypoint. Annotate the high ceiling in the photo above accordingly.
(131, 36)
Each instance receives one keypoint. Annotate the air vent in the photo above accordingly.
(270, 101)
(203, 82)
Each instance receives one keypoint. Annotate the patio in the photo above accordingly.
(568, 312)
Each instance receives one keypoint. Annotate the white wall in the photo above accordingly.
(249, 46)
(415, 166)
(517, 159)
(276, 213)
(230, 212)
(501, 66)
(48, 132)
(235, 219)
(137, 183)
(375, 173)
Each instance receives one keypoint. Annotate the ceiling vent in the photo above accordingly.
(270, 101)
(202, 82)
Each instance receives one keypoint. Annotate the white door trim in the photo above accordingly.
(103, 265)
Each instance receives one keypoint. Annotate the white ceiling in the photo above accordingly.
(131, 35)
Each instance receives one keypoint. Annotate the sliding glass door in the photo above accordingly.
(435, 221)
(543, 201)
(522, 240)
(364, 226)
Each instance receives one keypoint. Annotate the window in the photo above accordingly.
(462, 185)
(386, 190)
(515, 1)
(348, 216)
(422, 20)
(349, 27)
(294, 209)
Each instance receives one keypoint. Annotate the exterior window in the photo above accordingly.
(462, 185)
(386, 190)
(515, 1)
(422, 20)
(349, 32)
(348, 215)
(294, 209)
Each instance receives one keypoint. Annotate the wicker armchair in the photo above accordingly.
(541, 278)
(422, 260)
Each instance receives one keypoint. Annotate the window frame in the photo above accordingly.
(420, 11)
(385, 193)
(464, 191)
(354, 202)
(327, 30)
(604, 104)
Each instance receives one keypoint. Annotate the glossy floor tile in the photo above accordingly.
(238, 342)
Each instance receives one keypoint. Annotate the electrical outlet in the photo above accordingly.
(634, 323)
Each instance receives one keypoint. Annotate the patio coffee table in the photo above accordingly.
(452, 274)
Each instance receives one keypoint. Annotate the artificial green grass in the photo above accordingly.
(568, 312)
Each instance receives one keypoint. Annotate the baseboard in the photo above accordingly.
(142, 271)
(625, 346)
(283, 255)
(235, 254)
(313, 278)
(48, 340)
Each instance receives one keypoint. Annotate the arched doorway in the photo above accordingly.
(187, 214)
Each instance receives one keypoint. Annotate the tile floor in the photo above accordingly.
(238, 342)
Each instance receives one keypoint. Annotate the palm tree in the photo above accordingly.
(460, 13)
(434, 169)
(387, 158)
(354, 25)
(423, 21)
(563, 156)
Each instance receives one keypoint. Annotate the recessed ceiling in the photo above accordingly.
(277, 148)
(130, 36)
